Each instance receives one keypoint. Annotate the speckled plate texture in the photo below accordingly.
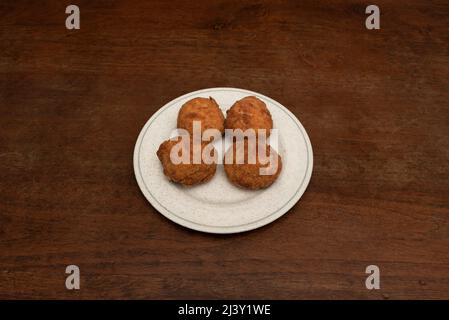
(218, 206)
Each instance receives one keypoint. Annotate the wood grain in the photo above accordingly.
(374, 102)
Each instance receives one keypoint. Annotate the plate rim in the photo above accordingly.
(222, 229)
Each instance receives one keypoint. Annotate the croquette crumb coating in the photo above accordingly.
(249, 113)
(247, 175)
(205, 110)
(186, 174)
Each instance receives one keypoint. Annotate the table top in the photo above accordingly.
(374, 103)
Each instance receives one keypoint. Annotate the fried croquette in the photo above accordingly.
(258, 173)
(188, 173)
(205, 110)
(249, 113)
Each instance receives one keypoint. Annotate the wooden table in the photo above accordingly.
(374, 102)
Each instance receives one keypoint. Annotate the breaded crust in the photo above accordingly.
(249, 113)
(247, 175)
(205, 110)
(189, 173)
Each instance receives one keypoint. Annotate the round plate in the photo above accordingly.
(218, 206)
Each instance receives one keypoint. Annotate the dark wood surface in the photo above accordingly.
(375, 104)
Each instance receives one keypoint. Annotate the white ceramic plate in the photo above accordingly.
(218, 206)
